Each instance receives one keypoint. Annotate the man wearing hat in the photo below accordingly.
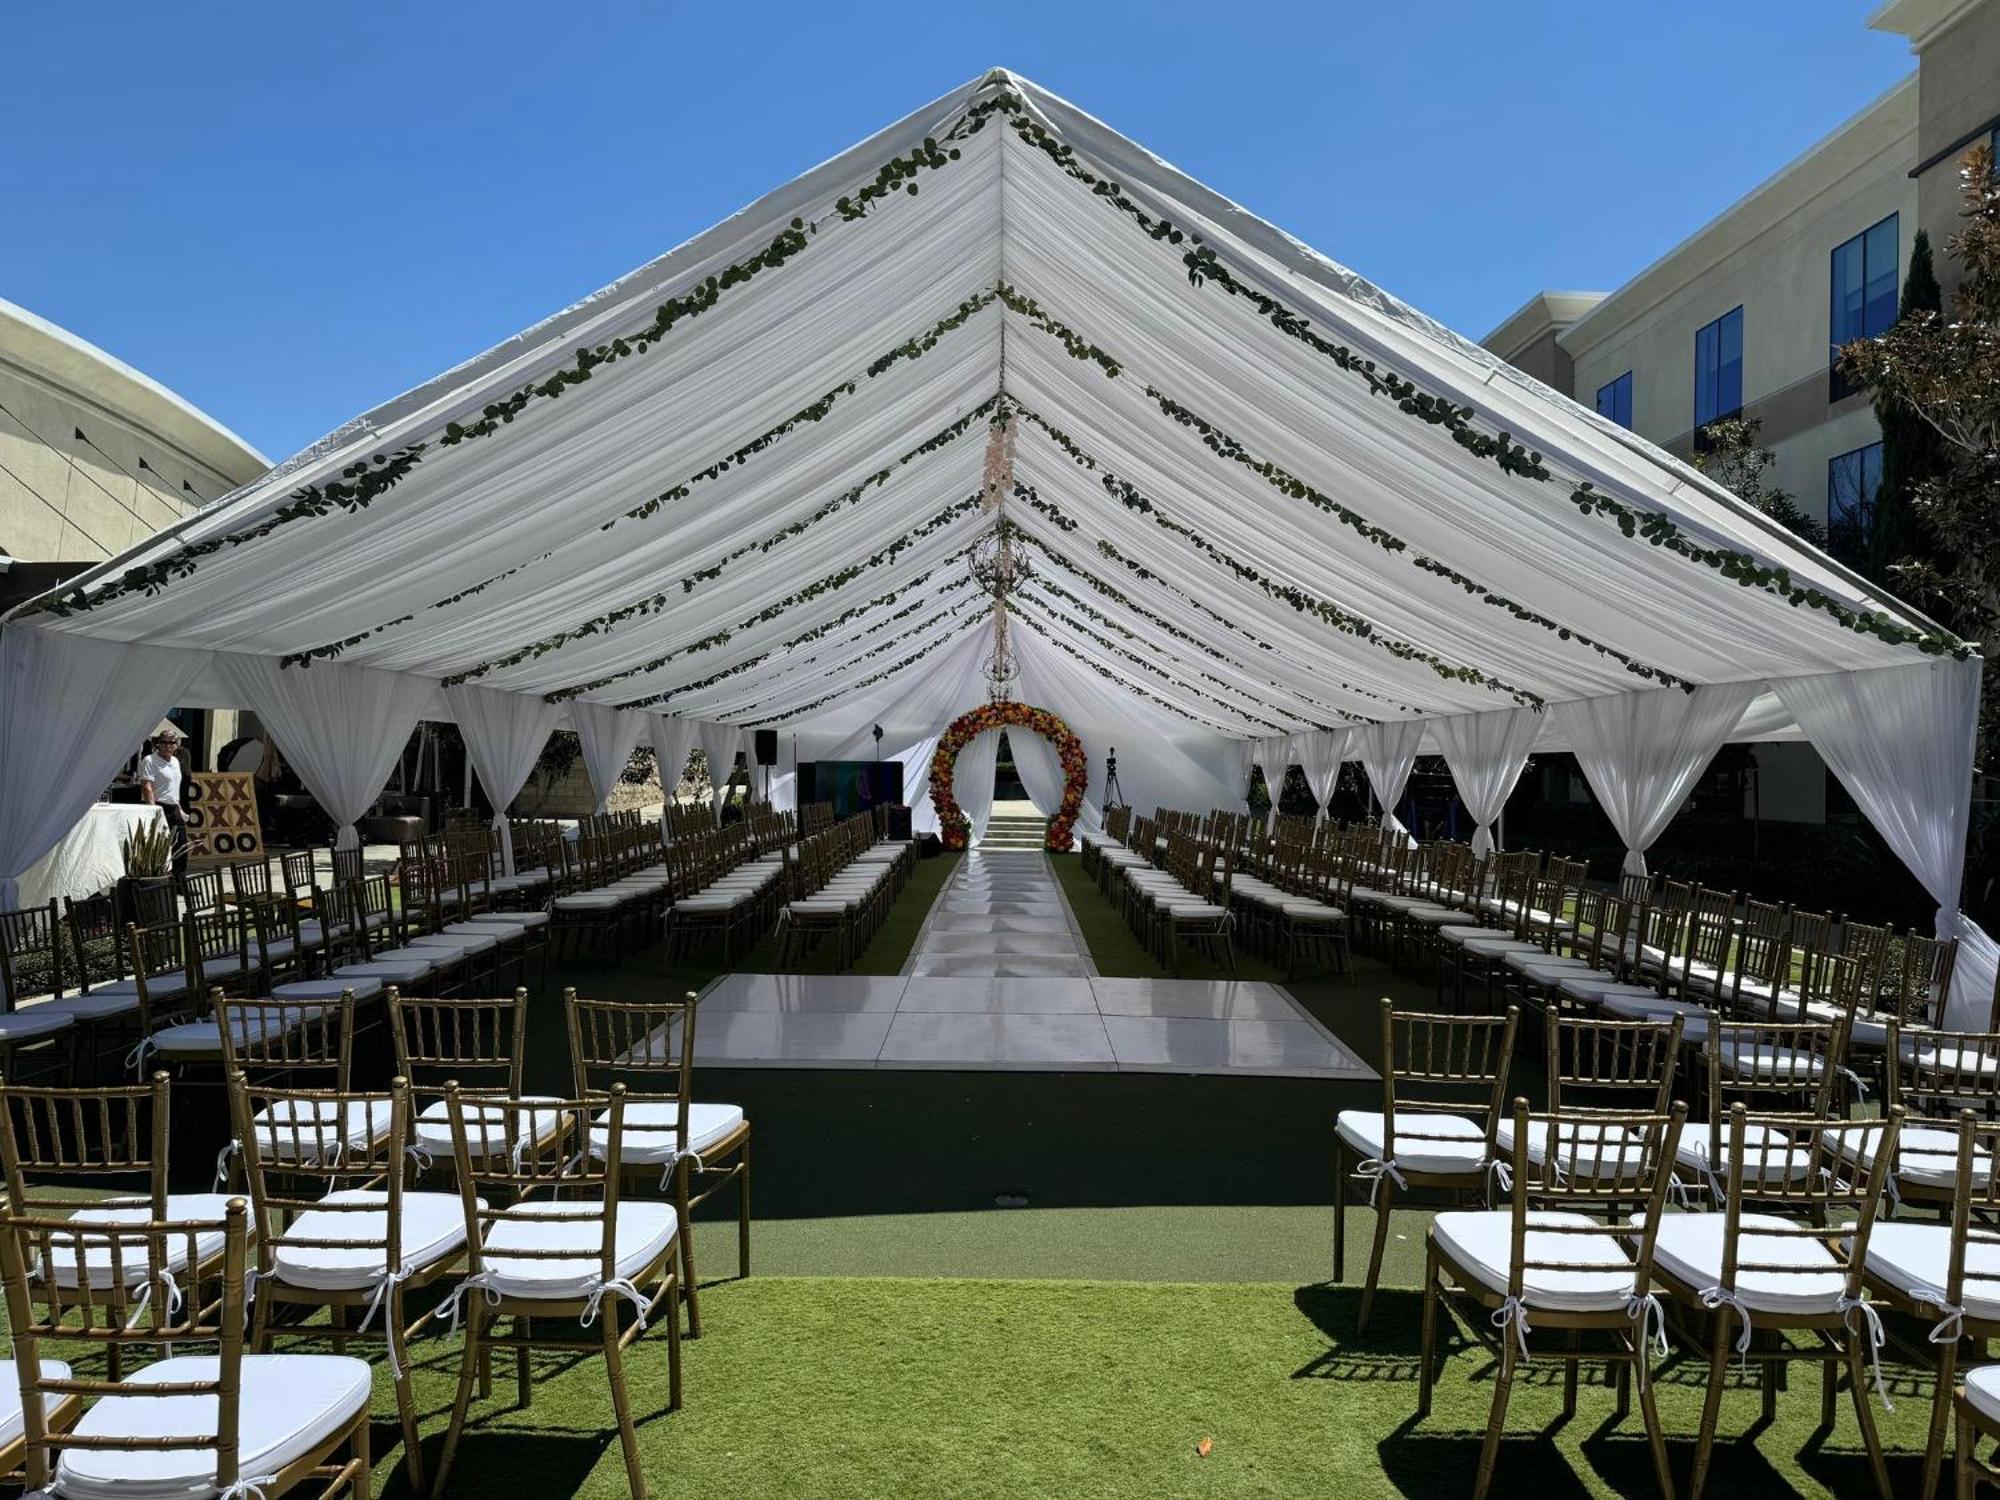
(160, 780)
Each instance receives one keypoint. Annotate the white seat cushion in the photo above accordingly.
(485, 1127)
(365, 987)
(524, 919)
(1916, 1257)
(644, 1232)
(1595, 1151)
(465, 942)
(290, 1404)
(433, 1228)
(34, 1024)
(1601, 989)
(1761, 1060)
(387, 971)
(1982, 1391)
(1768, 1155)
(1482, 1244)
(1461, 1147)
(11, 1423)
(107, 1004)
(651, 1129)
(1689, 1248)
(203, 1037)
(1926, 1155)
(135, 1254)
(319, 1130)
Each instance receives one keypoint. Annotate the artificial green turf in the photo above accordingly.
(832, 1387)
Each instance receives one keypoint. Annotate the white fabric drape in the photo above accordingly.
(972, 780)
(1320, 754)
(1485, 754)
(608, 735)
(672, 739)
(1387, 751)
(719, 742)
(1902, 740)
(1641, 752)
(341, 728)
(72, 710)
(504, 734)
(1041, 773)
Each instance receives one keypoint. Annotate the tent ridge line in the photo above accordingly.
(1110, 674)
(1204, 265)
(889, 671)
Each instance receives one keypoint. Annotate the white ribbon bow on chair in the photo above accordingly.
(1872, 1331)
(479, 1282)
(1514, 1313)
(385, 1283)
(1716, 1297)
(620, 1287)
(1644, 1309)
(1373, 1169)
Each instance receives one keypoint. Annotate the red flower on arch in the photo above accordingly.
(955, 825)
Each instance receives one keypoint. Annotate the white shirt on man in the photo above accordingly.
(163, 774)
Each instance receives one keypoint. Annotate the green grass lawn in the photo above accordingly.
(903, 1336)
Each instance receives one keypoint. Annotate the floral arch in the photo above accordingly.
(955, 825)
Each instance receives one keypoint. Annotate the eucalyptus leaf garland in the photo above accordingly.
(1122, 682)
(889, 671)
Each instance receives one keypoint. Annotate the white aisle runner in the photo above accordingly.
(1000, 978)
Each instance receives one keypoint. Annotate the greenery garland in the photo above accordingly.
(889, 671)
(364, 480)
(1125, 601)
(736, 669)
(601, 624)
(1205, 267)
(1123, 683)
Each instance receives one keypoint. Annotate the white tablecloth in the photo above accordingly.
(91, 856)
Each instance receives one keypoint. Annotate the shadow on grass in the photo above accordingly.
(499, 1461)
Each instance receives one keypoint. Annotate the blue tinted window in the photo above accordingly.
(1852, 481)
(1615, 400)
(1864, 284)
(1718, 368)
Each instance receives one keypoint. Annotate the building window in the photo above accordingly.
(1864, 293)
(1852, 480)
(1718, 369)
(1615, 400)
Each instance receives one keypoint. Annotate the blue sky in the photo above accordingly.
(289, 212)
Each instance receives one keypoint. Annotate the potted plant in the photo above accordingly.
(149, 869)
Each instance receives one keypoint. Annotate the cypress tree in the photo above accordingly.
(1912, 449)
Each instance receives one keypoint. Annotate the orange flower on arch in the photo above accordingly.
(955, 825)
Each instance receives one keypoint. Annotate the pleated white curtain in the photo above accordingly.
(609, 735)
(1387, 752)
(1041, 774)
(504, 734)
(916, 759)
(673, 738)
(1901, 740)
(1641, 752)
(972, 780)
(1320, 754)
(342, 728)
(719, 742)
(1485, 754)
(68, 710)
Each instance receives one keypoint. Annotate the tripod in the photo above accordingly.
(1114, 795)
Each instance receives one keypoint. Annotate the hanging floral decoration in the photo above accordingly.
(956, 826)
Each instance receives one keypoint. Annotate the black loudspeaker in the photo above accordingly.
(767, 747)
(899, 824)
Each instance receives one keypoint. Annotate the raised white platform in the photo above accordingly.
(1040, 1024)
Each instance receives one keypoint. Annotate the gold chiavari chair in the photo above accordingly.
(1444, 1078)
(480, 1044)
(1781, 1263)
(1946, 1275)
(32, 963)
(1600, 1067)
(354, 1238)
(559, 1246)
(1559, 1260)
(292, 1044)
(1768, 1066)
(227, 1423)
(690, 1149)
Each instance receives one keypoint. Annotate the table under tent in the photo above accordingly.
(1267, 512)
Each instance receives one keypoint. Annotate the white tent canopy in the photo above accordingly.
(1261, 498)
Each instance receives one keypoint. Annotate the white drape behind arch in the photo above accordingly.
(341, 728)
(67, 711)
(504, 733)
(1641, 752)
(1902, 742)
(972, 780)
(1042, 777)
(1485, 754)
